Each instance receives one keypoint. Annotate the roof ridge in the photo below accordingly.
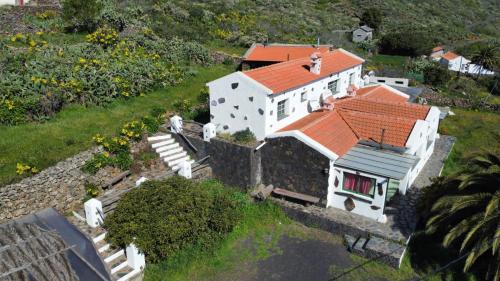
(339, 112)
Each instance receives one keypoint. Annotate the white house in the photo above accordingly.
(269, 98)
(437, 52)
(375, 142)
(456, 63)
(14, 2)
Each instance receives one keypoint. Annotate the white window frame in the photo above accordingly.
(282, 109)
(336, 82)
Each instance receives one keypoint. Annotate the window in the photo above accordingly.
(303, 96)
(359, 184)
(351, 78)
(282, 109)
(332, 86)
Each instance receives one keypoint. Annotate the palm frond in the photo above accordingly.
(466, 201)
(493, 205)
(461, 228)
(444, 203)
(482, 247)
(474, 232)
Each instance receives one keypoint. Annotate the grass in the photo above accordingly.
(258, 222)
(475, 131)
(71, 130)
(387, 61)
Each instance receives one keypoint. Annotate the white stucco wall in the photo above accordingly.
(363, 203)
(242, 107)
(11, 2)
(263, 98)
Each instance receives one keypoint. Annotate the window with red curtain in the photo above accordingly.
(359, 184)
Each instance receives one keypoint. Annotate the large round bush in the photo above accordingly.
(163, 217)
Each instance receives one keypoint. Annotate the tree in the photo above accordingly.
(436, 75)
(372, 17)
(486, 57)
(467, 213)
(82, 15)
(406, 43)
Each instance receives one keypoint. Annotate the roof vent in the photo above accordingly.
(315, 63)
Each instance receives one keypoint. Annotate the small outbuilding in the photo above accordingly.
(364, 33)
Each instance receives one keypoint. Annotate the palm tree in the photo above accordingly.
(486, 57)
(469, 215)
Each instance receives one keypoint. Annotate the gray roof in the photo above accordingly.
(45, 247)
(378, 162)
(366, 28)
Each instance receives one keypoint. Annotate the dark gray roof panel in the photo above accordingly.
(378, 162)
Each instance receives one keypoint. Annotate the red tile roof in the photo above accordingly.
(380, 93)
(450, 56)
(281, 53)
(328, 128)
(292, 74)
(361, 118)
(438, 48)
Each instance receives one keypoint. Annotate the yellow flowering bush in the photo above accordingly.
(48, 14)
(103, 36)
(22, 169)
(133, 130)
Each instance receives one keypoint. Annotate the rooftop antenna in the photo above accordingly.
(382, 138)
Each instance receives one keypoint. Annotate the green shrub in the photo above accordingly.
(157, 112)
(122, 161)
(103, 36)
(406, 43)
(244, 136)
(436, 75)
(82, 15)
(183, 107)
(372, 17)
(152, 124)
(164, 217)
(91, 190)
(99, 161)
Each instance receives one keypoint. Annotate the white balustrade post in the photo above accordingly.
(93, 211)
(209, 131)
(141, 181)
(135, 259)
(176, 124)
(185, 169)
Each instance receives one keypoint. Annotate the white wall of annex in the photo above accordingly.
(236, 109)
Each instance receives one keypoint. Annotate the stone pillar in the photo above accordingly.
(93, 211)
(135, 259)
(209, 131)
(176, 124)
(185, 170)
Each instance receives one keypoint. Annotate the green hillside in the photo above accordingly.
(242, 22)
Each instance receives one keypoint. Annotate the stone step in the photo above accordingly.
(127, 274)
(99, 237)
(159, 138)
(171, 151)
(164, 146)
(167, 147)
(162, 143)
(113, 255)
(118, 265)
(175, 156)
(103, 248)
(177, 161)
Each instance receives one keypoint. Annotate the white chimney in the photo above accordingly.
(315, 63)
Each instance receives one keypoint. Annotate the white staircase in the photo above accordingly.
(114, 258)
(169, 150)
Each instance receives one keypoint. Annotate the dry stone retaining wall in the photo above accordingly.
(60, 186)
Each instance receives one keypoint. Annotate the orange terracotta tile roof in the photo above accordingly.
(438, 48)
(361, 118)
(281, 53)
(293, 74)
(383, 107)
(380, 93)
(449, 56)
(368, 126)
(327, 128)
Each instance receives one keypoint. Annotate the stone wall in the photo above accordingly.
(290, 164)
(60, 186)
(233, 164)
